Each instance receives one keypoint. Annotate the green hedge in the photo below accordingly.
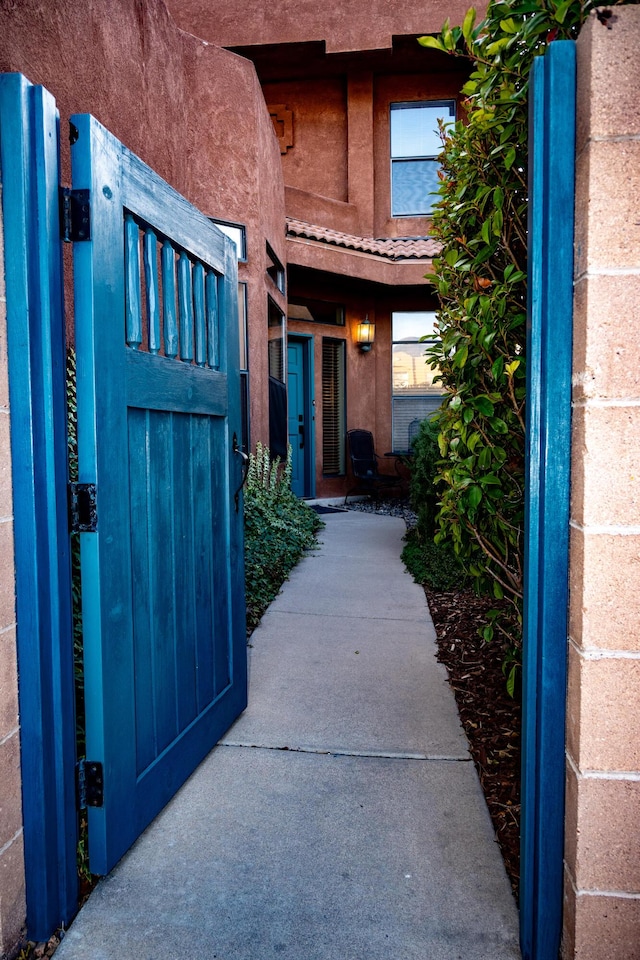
(278, 528)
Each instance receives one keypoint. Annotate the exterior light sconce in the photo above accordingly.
(365, 334)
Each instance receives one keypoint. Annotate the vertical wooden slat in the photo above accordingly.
(151, 284)
(185, 571)
(170, 319)
(203, 547)
(143, 598)
(133, 309)
(548, 430)
(163, 551)
(185, 301)
(222, 647)
(29, 164)
(211, 289)
(198, 306)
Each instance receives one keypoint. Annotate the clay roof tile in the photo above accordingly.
(402, 248)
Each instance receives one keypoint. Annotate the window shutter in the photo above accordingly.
(333, 406)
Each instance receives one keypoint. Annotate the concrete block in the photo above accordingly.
(603, 842)
(599, 927)
(605, 465)
(608, 66)
(10, 789)
(606, 321)
(607, 230)
(604, 591)
(603, 723)
(8, 683)
(6, 501)
(13, 906)
(7, 576)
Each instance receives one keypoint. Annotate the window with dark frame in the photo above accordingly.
(276, 337)
(316, 311)
(275, 270)
(244, 365)
(236, 232)
(333, 407)
(414, 394)
(415, 146)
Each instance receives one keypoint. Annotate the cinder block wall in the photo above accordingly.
(602, 854)
(12, 894)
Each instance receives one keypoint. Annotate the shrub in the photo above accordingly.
(277, 529)
(480, 276)
(431, 564)
(424, 468)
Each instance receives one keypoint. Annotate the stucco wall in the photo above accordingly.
(602, 869)
(196, 114)
(12, 895)
(192, 111)
(345, 26)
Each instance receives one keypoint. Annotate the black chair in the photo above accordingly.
(364, 465)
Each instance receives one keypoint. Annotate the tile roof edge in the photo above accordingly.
(393, 248)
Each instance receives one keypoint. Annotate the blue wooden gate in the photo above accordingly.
(158, 411)
(551, 192)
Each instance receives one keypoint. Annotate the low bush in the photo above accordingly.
(278, 528)
(432, 564)
(424, 468)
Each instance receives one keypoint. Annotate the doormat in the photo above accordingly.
(321, 508)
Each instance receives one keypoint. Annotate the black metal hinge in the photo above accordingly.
(83, 508)
(75, 215)
(90, 784)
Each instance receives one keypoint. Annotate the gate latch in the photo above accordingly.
(83, 508)
(245, 469)
(90, 784)
(75, 215)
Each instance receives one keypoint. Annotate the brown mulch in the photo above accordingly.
(490, 717)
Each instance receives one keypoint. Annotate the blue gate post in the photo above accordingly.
(549, 343)
(37, 372)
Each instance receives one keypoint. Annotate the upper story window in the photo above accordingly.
(316, 311)
(237, 233)
(415, 145)
(275, 270)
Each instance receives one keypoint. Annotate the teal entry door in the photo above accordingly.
(300, 415)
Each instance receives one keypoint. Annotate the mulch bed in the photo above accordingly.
(490, 717)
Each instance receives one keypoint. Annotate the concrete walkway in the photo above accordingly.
(341, 817)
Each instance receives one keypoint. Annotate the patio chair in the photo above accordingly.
(364, 465)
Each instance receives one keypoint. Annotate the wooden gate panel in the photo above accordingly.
(158, 405)
(549, 335)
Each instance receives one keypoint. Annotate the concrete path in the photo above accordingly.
(341, 817)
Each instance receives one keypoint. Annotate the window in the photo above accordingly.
(236, 232)
(316, 311)
(333, 407)
(415, 145)
(244, 365)
(275, 270)
(276, 341)
(414, 394)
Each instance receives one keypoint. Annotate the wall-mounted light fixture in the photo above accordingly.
(365, 334)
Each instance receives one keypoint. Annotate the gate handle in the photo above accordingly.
(245, 470)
